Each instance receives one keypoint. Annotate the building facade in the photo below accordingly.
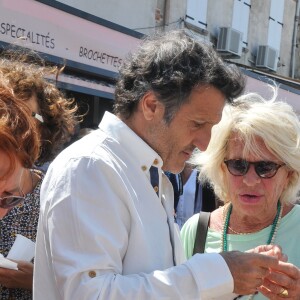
(91, 38)
(260, 36)
(90, 48)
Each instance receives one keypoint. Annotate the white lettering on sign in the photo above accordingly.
(40, 27)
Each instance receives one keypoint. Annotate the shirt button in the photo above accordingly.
(144, 168)
(155, 188)
(92, 274)
(155, 162)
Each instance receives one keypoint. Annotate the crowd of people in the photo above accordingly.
(103, 214)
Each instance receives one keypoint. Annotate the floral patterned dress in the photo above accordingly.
(22, 219)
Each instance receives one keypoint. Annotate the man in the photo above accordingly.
(105, 232)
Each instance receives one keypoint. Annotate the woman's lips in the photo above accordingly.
(250, 198)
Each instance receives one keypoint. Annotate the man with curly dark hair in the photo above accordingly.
(107, 227)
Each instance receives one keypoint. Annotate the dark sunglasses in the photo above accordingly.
(240, 167)
(10, 201)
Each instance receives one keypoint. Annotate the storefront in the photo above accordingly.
(92, 49)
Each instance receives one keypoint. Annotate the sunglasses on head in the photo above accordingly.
(240, 167)
(11, 201)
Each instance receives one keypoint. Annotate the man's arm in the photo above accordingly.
(86, 232)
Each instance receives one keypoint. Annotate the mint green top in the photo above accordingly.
(288, 237)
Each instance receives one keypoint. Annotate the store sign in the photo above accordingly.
(30, 24)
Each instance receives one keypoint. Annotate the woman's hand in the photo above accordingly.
(21, 278)
(282, 282)
(270, 250)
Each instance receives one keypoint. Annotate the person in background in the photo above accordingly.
(106, 229)
(253, 162)
(55, 114)
(190, 195)
(54, 117)
(20, 186)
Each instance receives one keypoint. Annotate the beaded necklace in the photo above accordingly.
(272, 236)
(231, 229)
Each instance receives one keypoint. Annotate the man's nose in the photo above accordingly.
(201, 141)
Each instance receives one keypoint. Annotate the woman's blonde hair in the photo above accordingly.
(251, 117)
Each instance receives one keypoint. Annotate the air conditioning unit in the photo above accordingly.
(266, 58)
(229, 42)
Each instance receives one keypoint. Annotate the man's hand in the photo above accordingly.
(21, 278)
(249, 269)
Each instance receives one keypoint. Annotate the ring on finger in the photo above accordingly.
(283, 293)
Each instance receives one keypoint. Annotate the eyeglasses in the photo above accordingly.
(37, 116)
(240, 167)
(11, 201)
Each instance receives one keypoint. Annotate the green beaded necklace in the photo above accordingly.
(271, 236)
(275, 225)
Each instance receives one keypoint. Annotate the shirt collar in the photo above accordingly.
(130, 141)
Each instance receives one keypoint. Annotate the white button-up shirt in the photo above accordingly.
(105, 234)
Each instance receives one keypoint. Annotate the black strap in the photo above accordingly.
(201, 232)
(209, 199)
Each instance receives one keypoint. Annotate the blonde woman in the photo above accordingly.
(253, 162)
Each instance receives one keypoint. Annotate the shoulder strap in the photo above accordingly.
(201, 232)
(209, 199)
